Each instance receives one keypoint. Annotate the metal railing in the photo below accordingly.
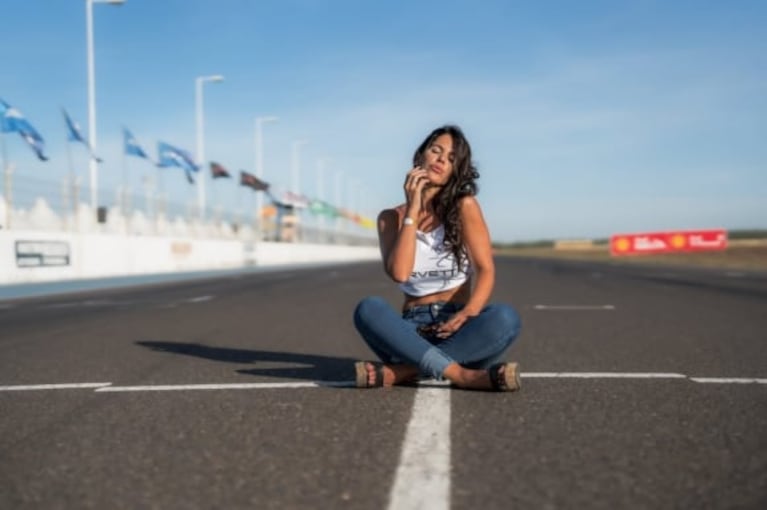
(29, 203)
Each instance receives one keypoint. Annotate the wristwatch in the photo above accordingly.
(408, 221)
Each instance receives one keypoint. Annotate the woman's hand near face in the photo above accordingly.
(414, 185)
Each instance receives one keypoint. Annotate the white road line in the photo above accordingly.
(232, 386)
(422, 481)
(729, 380)
(602, 375)
(427, 384)
(574, 307)
(200, 299)
(68, 304)
(72, 304)
(30, 387)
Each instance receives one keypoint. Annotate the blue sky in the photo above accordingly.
(586, 118)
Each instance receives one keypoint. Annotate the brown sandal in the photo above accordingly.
(361, 374)
(509, 380)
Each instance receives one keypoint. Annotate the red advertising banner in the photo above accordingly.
(668, 242)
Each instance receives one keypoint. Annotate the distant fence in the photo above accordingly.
(28, 203)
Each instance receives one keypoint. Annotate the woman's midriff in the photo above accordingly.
(459, 295)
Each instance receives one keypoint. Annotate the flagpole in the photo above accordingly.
(9, 195)
(124, 201)
(254, 203)
(238, 207)
(73, 184)
(259, 161)
(214, 193)
(6, 182)
(160, 204)
(200, 132)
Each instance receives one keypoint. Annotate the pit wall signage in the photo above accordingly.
(42, 253)
(677, 241)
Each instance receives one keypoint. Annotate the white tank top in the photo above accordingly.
(434, 269)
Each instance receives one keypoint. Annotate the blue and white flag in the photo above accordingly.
(168, 155)
(131, 145)
(75, 135)
(12, 121)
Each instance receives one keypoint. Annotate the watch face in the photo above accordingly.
(408, 221)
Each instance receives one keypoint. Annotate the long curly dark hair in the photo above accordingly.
(460, 184)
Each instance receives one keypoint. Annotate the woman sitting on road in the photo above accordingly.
(437, 247)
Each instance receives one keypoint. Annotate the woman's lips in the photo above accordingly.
(436, 169)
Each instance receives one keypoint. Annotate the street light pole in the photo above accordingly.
(337, 184)
(198, 99)
(321, 197)
(259, 144)
(92, 163)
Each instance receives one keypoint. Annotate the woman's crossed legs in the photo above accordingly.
(463, 358)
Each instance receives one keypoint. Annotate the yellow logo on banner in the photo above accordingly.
(678, 241)
(622, 244)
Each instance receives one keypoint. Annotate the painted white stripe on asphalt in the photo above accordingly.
(107, 387)
(200, 299)
(233, 386)
(729, 380)
(603, 375)
(423, 476)
(30, 387)
(69, 304)
(574, 307)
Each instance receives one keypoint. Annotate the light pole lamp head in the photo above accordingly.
(115, 2)
(203, 79)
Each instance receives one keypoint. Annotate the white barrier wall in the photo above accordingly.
(34, 256)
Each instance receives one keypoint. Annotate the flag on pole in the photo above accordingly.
(295, 199)
(169, 155)
(12, 121)
(251, 181)
(75, 135)
(366, 222)
(216, 170)
(131, 146)
(322, 207)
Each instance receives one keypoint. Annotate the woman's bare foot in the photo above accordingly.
(467, 378)
(480, 379)
(392, 374)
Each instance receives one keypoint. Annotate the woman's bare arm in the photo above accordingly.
(397, 243)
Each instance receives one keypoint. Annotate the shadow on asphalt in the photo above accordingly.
(313, 367)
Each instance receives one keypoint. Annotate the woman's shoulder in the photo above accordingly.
(469, 209)
(391, 217)
(468, 203)
(393, 212)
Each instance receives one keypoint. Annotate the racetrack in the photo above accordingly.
(642, 388)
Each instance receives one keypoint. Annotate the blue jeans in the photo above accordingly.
(395, 339)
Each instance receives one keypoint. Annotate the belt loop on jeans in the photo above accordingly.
(432, 308)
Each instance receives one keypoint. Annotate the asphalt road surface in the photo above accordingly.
(642, 388)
